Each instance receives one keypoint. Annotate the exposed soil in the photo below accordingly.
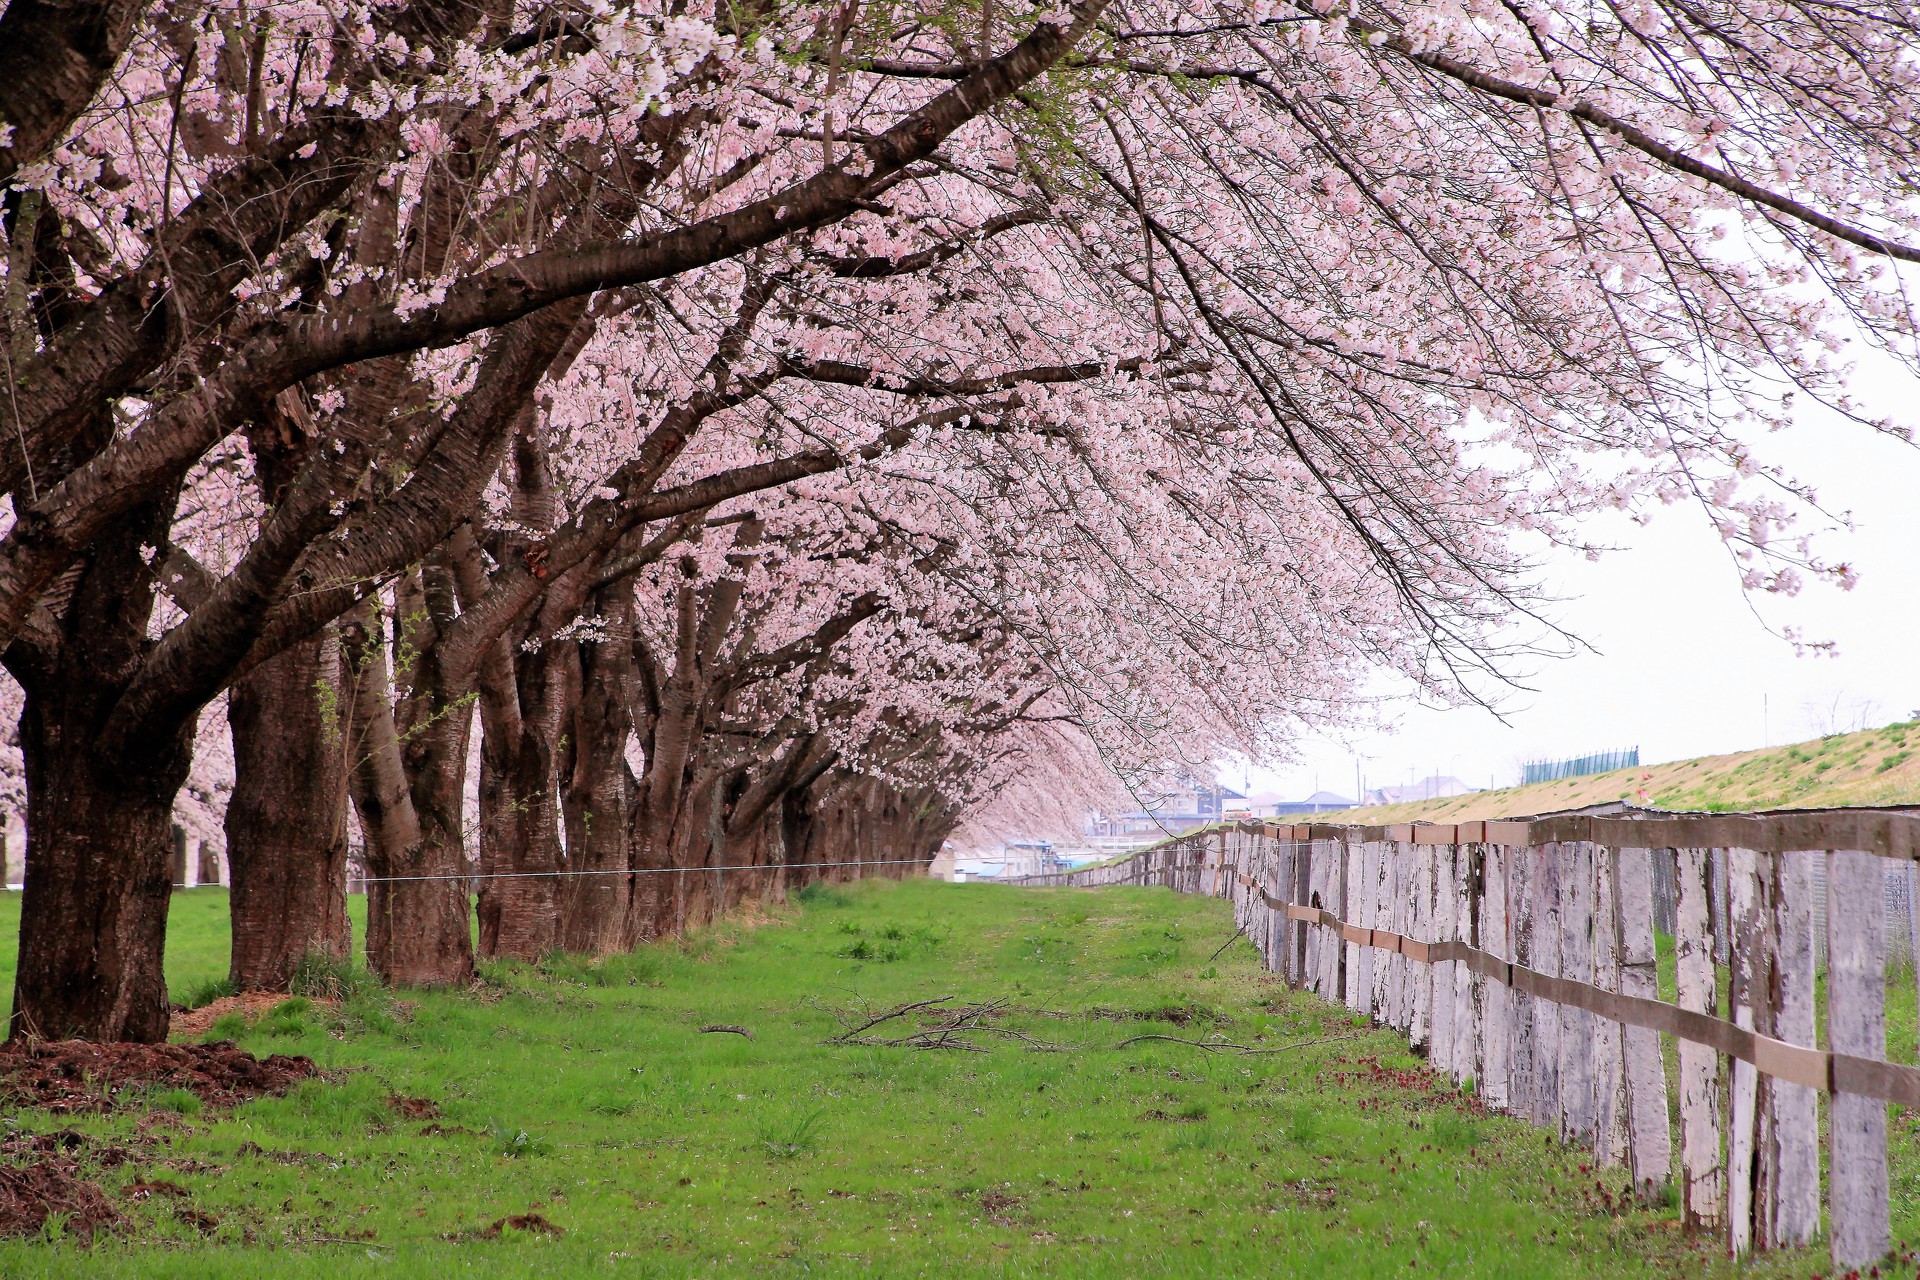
(50, 1189)
(414, 1108)
(529, 1222)
(191, 1024)
(65, 1076)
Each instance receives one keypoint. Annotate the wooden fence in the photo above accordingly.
(1522, 955)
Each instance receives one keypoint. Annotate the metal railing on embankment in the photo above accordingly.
(1523, 955)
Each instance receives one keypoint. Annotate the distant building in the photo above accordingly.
(1178, 811)
(1272, 806)
(1434, 787)
(1031, 858)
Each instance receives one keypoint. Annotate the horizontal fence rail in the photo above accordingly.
(1522, 955)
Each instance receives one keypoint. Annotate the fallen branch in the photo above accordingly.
(1229, 942)
(727, 1027)
(1198, 1044)
(898, 1011)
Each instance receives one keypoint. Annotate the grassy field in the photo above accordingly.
(1872, 767)
(589, 1096)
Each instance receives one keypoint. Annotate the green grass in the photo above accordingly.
(198, 944)
(585, 1093)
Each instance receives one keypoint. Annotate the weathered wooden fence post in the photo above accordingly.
(1857, 1027)
(1609, 1081)
(1795, 1153)
(1649, 1134)
(1522, 867)
(1703, 1189)
(1749, 1201)
(1496, 1009)
(1576, 963)
(1466, 984)
(1420, 926)
(1362, 856)
(1545, 937)
(1440, 1007)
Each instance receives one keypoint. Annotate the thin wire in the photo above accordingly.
(644, 871)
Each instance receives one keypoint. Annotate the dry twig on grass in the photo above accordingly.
(727, 1027)
(946, 1028)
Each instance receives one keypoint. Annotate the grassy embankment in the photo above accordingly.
(587, 1094)
(1875, 766)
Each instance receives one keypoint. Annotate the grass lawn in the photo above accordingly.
(588, 1095)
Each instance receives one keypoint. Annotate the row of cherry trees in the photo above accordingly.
(779, 432)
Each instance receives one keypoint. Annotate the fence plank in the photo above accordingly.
(1703, 1187)
(1351, 853)
(1284, 881)
(1522, 868)
(1420, 978)
(1794, 1153)
(1396, 921)
(1381, 917)
(1496, 1010)
(1466, 984)
(1412, 975)
(1302, 876)
(1746, 984)
(1363, 859)
(1440, 982)
(1546, 959)
(1857, 1025)
(1576, 962)
(1649, 1132)
(1609, 1085)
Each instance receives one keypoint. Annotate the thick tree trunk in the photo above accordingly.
(520, 855)
(599, 788)
(286, 824)
(93, 921)
(418, 916)
(99, 811)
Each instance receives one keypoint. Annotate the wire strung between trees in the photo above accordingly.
(644, 871)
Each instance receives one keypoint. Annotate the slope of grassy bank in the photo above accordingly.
(586, 1097)
(1872, 767)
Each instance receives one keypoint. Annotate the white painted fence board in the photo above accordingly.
(1649, 1130)
(1496, 1009)
(1794, 1153)
(1857, 1025)
(1609, 1085)
(1545, 936)
(1703, 1182)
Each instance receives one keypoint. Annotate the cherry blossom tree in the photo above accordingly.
(1170, 365)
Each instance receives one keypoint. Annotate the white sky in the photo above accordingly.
(1682, 664)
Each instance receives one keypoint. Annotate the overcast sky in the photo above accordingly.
(1682, 664)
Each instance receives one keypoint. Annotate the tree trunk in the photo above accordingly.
(93, 922)
(600, 788)
(286, 824)
(520, 855)
(418, 917)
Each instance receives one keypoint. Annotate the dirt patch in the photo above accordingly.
(1179, 1015)
(157, 1187)
(532, 1223)
(30, 1148)
(191, 1024)
(1000, 1208)
(31, 1195)
(205, 1223)
(414, 1108)
(76, 1075)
